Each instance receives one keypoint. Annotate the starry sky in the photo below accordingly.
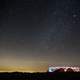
(36, 33)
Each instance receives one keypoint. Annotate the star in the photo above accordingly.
(74, 15)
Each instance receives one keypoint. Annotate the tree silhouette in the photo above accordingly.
(69, 70)
(59, 70)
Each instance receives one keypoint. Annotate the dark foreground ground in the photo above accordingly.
(40, 76)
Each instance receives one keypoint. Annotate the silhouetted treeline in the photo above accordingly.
(40, 76)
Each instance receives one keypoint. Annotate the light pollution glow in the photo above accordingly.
(23, 69)
(11, 63)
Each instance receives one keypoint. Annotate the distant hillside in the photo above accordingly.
(40, 76)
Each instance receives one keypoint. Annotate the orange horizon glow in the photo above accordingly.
(23, 69)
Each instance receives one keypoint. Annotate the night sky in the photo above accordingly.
(36, 33)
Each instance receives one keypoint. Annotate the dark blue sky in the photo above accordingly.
(39, 32)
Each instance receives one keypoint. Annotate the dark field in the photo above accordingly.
(40, 76)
